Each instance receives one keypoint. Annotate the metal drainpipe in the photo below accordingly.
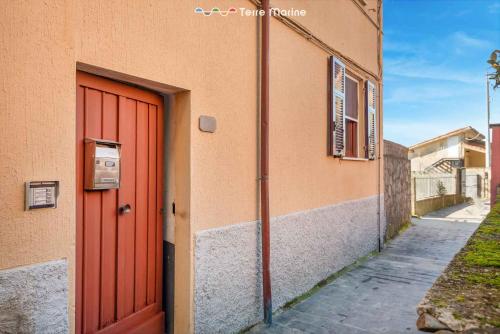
(379, 171)
(264, 165)
(379, 124)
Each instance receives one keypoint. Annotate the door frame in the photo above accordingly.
(151, 315)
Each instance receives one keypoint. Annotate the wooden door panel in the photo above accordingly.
(92, 223)
(151, 256)
(126, 195)
(141, 227)
(109, 221)
(119, 255)
(80, 118)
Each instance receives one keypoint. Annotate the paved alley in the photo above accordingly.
(381, 295)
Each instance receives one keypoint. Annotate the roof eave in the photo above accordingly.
(446, 135)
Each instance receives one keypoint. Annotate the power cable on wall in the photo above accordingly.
(307, 34)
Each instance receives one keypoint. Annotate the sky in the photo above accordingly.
(435, 54)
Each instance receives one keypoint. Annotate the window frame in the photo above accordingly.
(349, 75)
(336, 138)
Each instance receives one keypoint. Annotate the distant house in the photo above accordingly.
(464, 147)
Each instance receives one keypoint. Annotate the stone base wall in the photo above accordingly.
(427, 205)
(306, 247)
(34, 299)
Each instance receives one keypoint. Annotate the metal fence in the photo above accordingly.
(475, 183)
(434, 185)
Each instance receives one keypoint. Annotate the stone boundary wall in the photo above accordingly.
(397, 187)
(427, 205)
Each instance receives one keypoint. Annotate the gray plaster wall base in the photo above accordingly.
(306, 247)
(34, 299)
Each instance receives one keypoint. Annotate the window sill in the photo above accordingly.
(354, 159)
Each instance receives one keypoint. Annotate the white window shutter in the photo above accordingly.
(338, 108)
(371, 114)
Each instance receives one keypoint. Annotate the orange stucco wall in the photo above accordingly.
(214, 176)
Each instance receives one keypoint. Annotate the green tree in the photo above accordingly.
(495, 63)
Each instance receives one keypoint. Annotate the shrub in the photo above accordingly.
(441, 189)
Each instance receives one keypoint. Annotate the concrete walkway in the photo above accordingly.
(381, 295)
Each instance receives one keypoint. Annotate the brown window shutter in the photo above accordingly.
(336, 120)
(330, 118)
(371, 120)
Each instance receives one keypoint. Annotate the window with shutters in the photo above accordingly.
(351, 117)
(351, 132)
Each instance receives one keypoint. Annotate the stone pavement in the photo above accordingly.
(381, 295)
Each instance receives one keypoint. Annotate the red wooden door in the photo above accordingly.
(119, 256)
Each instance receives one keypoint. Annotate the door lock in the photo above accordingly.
(124, 209)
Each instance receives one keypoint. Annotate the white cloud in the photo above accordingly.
(494, 8)
(462, 42)
(424, 92)
(410, 132)
(413, 122)
(437, 59)
(434, 78)
(417, 68)
(421, 94)
(398, 46)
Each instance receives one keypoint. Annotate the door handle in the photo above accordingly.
(124, 209)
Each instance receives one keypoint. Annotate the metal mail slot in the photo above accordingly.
(102, 164)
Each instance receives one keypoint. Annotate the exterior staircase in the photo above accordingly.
(444, 165)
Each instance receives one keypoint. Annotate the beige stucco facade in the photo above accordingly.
(209, 66)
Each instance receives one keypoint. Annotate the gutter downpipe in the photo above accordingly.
(379, 122)
(488, 143)
(264, 165)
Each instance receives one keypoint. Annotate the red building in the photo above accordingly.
(495, 161)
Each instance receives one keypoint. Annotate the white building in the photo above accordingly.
(464, 147)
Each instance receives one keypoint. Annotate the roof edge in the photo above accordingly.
(448, 134)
